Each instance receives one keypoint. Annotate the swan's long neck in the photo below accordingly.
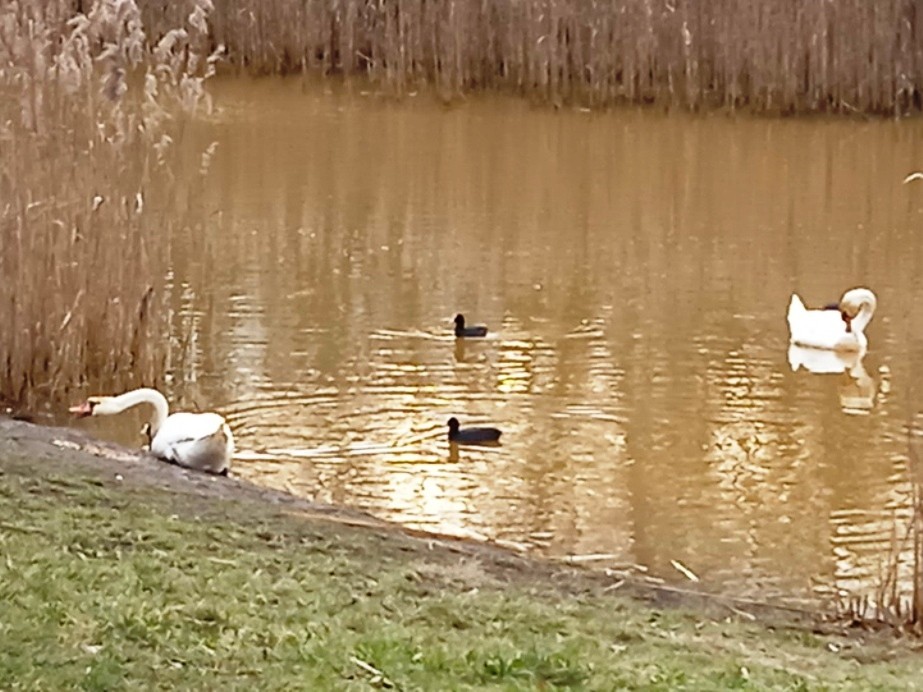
(858, 305)
(862, 319)
(117, 404)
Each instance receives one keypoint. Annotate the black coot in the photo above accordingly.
(461, 330)
(471, 435)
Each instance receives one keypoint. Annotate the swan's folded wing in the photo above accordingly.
(199, 440)
(816, 328)
(190, 426)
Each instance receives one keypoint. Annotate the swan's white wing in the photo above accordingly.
(816, 328)
(197, 440)
(185, 427)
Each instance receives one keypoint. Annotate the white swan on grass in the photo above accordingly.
(201, 441)
(839, 328)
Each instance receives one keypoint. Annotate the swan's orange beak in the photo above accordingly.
(81, 410)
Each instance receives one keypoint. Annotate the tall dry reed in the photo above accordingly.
(85, 130)
(898, 597)
(765, 55)
(915, 609)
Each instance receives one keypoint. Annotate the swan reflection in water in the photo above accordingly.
(857, 388)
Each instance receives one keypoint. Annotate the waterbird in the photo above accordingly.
(471, 435)
(839, 329)
(461, 330)
(200, 441)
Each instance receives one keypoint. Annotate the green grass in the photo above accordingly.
(105, 586)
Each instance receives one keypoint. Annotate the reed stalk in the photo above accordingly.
(778, 56)
(85, 131)
(898, 597)
(915, 610)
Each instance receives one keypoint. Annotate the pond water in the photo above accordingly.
(634, 270)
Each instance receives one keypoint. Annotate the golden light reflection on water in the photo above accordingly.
(634, 271)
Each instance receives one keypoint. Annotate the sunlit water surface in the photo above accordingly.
(634, 270)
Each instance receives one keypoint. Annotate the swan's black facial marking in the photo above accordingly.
(848, 320)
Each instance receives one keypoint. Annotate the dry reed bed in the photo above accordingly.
(898, 598)
(85, 128)
(770, 55)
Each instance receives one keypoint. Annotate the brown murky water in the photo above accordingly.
(634, 270)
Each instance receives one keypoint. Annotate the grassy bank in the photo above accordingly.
(159, 578)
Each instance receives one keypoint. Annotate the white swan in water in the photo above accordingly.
(840, 329)
(201, 441)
